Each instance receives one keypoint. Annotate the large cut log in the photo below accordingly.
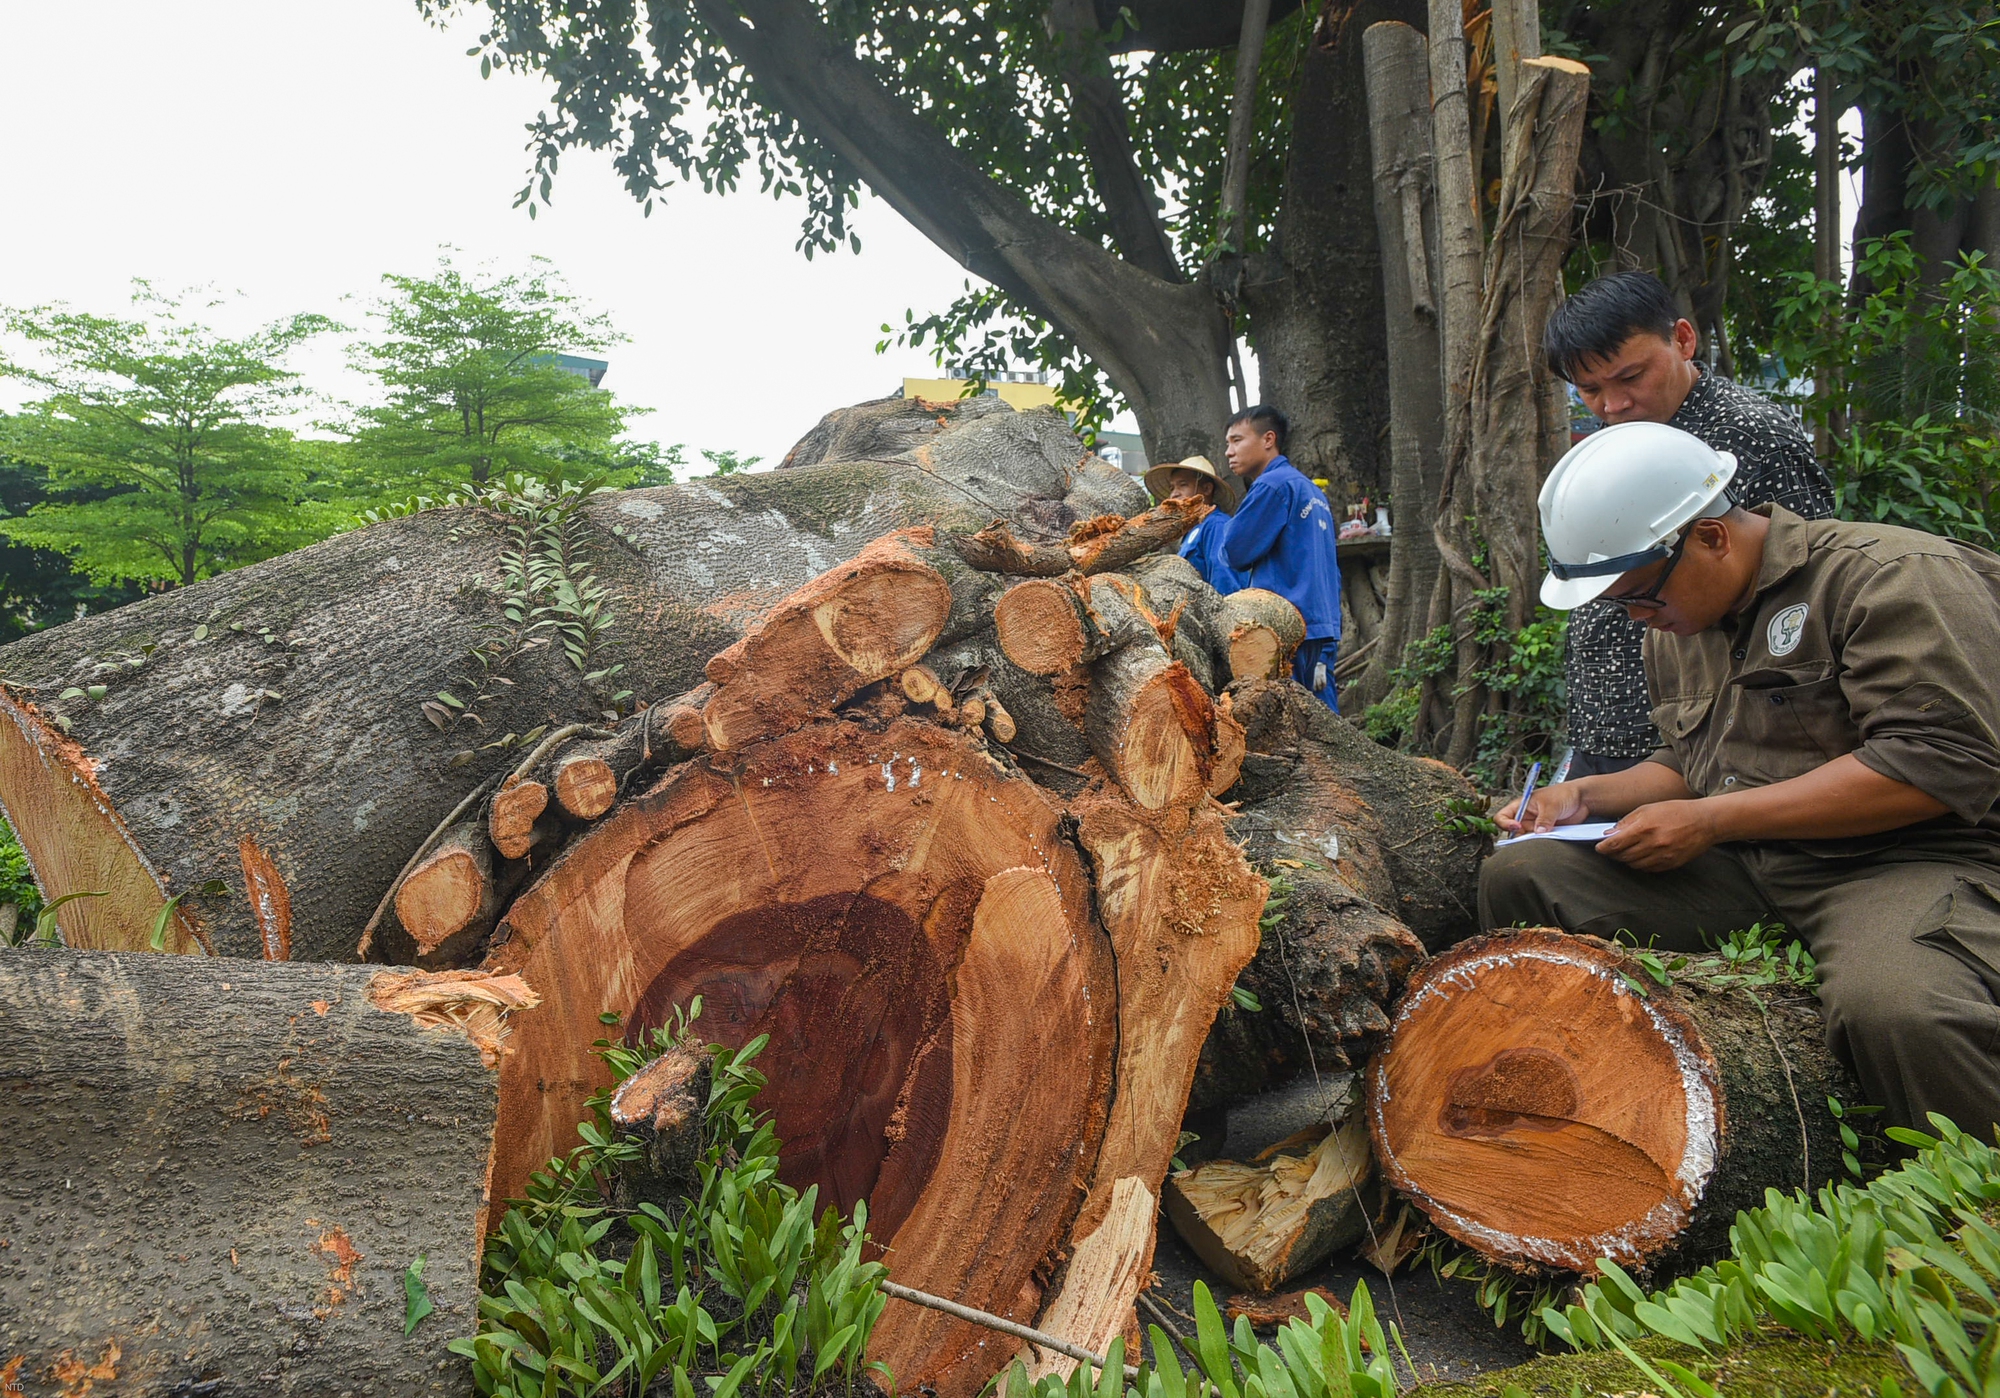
(303, 724)
(215, 1174)
(1547, 1102)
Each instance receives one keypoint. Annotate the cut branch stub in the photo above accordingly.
(1264, 631)
(450, 890)
(585, 785)
(906, 922)
(1151, 726)
(510, 821)
(1545, 1112)
(1108, 544)
(661, 1109)
(859, 623)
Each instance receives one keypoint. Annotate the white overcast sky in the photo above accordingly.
(294, 150)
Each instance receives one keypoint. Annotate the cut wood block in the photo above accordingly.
(1260, 1223)
(1546, 1102)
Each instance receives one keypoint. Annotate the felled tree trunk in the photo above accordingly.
(985, 910)
(1547, 1102)
(215, 1174)
(293, 731)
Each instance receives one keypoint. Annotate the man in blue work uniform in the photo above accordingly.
(1282, 539)
(1196, 479)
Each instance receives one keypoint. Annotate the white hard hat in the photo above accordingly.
(1617, 500)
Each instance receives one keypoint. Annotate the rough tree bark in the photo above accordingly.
(1496, 418)
(213, 1173)
(1544, 1112)
(1315, 294)
(1522, 281)
(283, 728)
(1399, 113)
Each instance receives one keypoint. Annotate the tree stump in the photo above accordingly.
(1547, 1103)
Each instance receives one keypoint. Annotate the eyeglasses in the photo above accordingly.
(1650, 600)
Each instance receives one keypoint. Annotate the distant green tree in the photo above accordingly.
(163, 464)
(728, 463)
(475, 389)
(39, 587)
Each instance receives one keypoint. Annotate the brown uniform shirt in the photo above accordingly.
(1862, 638)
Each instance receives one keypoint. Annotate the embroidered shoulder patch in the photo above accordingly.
(1787, 628)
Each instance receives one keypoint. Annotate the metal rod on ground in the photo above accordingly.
(1002, 1324)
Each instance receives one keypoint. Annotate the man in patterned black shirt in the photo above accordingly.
(1623, 343)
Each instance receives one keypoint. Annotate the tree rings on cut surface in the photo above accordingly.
(1541, 1111)
(1040, 625)
(905, 921)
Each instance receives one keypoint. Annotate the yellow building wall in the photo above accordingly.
(1015, 395)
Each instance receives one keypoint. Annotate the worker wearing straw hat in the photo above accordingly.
(1197, 479)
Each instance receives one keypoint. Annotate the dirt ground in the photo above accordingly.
(1449, 1338)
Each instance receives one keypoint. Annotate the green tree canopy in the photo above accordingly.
(158, 435)
(476, 387)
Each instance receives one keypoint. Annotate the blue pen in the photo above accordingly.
(1527, 791)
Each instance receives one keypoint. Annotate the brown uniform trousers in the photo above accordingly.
(1908, 948)
(1865, 639)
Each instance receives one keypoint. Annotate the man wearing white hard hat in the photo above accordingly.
(1828, 698)
(1197, 479)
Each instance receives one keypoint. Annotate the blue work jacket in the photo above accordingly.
(1282, 540)
(1203, 548)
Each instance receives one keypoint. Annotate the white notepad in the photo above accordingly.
(1590, 832)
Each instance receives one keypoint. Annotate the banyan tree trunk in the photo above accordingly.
(292, 731)
(1547, 1102)
(215, 1174)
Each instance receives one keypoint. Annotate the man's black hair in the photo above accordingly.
(1264, 418)
(1592, 324)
